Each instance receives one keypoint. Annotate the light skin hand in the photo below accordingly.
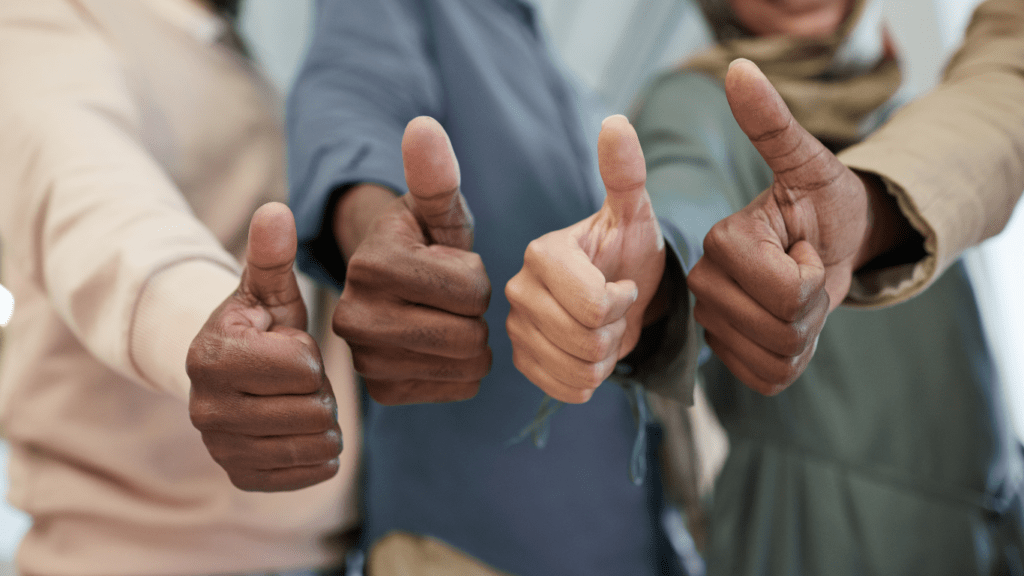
(414, 297)
(581, 299)
(773, 271)
(260, 395)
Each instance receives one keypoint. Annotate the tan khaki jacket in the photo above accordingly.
(954, 159)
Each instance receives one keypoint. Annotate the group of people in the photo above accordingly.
(180, 400)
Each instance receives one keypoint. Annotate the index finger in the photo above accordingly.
(567, 272)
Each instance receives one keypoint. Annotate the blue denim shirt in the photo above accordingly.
(481, 69)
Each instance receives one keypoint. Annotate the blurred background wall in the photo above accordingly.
(615, 46)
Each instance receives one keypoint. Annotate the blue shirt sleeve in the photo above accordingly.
(367, 73)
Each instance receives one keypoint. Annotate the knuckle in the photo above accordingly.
(791, 303)
(591, 376)
(515, 290)
(595, 311)
(792, 341)
(598, 345)
(205, 413)
(365, 267)
(364, 363)
(322, 412)
(780, 373)
(476, 335)
(535, 252)
(718, 238)
(480, 296)
(333, 444)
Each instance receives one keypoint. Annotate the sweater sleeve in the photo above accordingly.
(89, 215)
(954, 159)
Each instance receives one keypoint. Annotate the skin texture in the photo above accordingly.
(579, 303)
(260, 396)
(773, 271)
(415, 294)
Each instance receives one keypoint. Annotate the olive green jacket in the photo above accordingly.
(893, 453)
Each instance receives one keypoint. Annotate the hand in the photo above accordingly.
(578, 304)
(414, 298)
(260, 396)
(773, 271)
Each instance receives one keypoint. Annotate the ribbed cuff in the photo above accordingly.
(173, 306)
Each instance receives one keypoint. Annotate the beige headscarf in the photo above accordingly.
(835, 102)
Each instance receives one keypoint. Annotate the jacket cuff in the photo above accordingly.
(887, 286)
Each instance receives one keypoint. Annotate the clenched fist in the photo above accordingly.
(415, 294)
(260, 395)
(773, 271)
(578, 304)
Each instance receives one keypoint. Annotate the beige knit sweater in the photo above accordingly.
(135, 148)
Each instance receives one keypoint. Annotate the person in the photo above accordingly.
(417, 60)
(893, 452)
(414, 297)
(138, 142)
(944, 196)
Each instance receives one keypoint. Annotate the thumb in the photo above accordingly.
(432, 174)
(797, 158)
(623, 170)
(268, 279)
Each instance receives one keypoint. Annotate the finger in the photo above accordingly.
(284, 480)
(530, 368)
(394, 393)
(432, 174)
(416, 328)
(769, 378)
(395, 364)
(527, 296)
(287, 361)
(264, 415)
(268, 278)
(783, 283)
(623, 169)
(576, 284)
(437, 276)
(273, 452)
(722, 306)
(796, 157)
(560, 365)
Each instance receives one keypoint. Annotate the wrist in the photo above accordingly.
(889, 238)
(357, 207)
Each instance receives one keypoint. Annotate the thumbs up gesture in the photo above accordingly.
(772, 272)
(260, 396)
(578, 304)
(414, 298)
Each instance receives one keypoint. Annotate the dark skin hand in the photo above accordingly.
(260, 396)
(773, 271)
(415, 294)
